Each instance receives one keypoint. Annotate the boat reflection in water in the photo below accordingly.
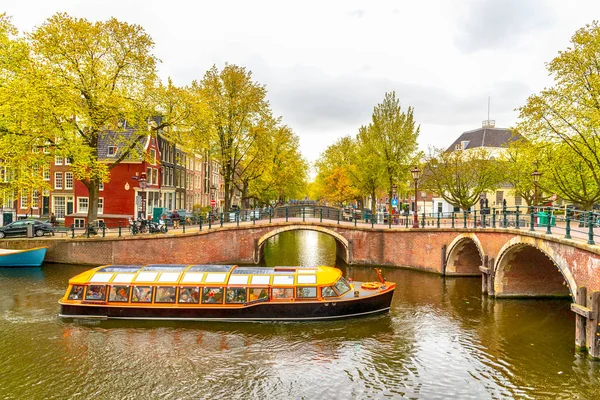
(221, 292)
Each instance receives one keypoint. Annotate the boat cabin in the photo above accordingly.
(199, 285)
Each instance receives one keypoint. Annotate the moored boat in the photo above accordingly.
(221, 292)
(22, 258)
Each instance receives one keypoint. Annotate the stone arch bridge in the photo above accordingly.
(511, 262)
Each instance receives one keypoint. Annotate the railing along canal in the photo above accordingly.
(565, 222)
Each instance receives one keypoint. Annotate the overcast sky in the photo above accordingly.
(326, 64)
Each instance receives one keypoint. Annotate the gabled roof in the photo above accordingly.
(485, 137)
(121, 140)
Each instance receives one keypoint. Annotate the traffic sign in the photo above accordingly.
(213, 202)
(554, 197)
(394, 202)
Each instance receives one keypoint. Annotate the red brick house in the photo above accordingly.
(122, 197)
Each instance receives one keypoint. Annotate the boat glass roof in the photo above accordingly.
(165, 267)
(120, 268)
(210, 268)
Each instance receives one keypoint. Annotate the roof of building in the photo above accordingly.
(485, 137)
(121, 140)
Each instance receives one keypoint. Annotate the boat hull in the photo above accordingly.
(22, 258)
(267, 311)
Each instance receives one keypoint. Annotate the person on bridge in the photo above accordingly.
(175, 217)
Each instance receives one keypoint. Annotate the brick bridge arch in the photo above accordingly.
(341, 243)
(465, 255)
(527, 267)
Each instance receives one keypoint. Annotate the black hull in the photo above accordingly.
(271, 311)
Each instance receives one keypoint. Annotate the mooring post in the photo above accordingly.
(210, 221)
(302, 214)
(183, 225)
(286, 214)
(548, 230)
(119, 228)
(592, 324)
(372, 220)
(580, 320)
(438, 222)
(72, 231)
(221, 220)
(423, 221)
(493, 217)
(320, 215)
(200, 222)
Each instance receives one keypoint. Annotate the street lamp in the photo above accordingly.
(416, 174)
(143, 185)
(535, 175)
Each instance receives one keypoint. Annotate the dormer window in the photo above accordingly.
(112, 151)
(464, 144)
(458, 146)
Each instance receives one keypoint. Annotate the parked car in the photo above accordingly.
(19, 228)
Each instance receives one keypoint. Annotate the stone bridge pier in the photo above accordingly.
(511, 262)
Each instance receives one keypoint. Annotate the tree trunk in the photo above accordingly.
(373, 202)
(93, 186)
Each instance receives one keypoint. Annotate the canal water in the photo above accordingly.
(441, 339)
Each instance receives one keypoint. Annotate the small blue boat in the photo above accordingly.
(22, 258)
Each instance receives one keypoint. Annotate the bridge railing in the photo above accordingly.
(569, 223)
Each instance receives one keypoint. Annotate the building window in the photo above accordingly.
(499, 197)
(153, 156)
(112, 151)
(68, 160)
(58, 180)
(79, 223)
(518, 200)
(24, 199)
(101, 186)
(35, 199)
(68, 180)
(101, 205)
(58, 160)
(59, 207)
(83, 204)
(46, 173)
(155, 176)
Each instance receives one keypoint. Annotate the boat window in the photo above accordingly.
(95, 292)
(119, 293)
(260, 280)
(165, 294)
(328, 292)
(283, 293)
(211, 268)
(307, 279)
(142, 294)
(283, 280)
(76, 293)
(238, 279)
(193, 277)
(189, 295)
(307, 271)
(215, 278)
(146, 276)
(341, 286)
(236, 295)
(169, 277)
(123, 278)
(212, 295)
(101, 277)
(309, 291)
(258, 294)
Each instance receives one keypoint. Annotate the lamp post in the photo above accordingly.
(416, 174)
(535, 175)
(143, 185)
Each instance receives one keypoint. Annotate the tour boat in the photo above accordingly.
(22, 258)
(221, 292)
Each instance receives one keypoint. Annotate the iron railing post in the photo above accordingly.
(423, 221)
(465, 219)
(286, 214)
(548, 230)
(531, 219)
(517, 220)
(493, 217)
(120, 228)
(72, 231)
(438, 220)
(474, 218)
(200, 220)
(320, 215)
(568, 224)
(452, 218)
(591, 228)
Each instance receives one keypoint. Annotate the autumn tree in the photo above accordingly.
(235, 106)
(90, 78)
(392, 138)
(565, 118)
(461, 176)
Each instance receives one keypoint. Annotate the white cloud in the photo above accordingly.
(327, 64)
